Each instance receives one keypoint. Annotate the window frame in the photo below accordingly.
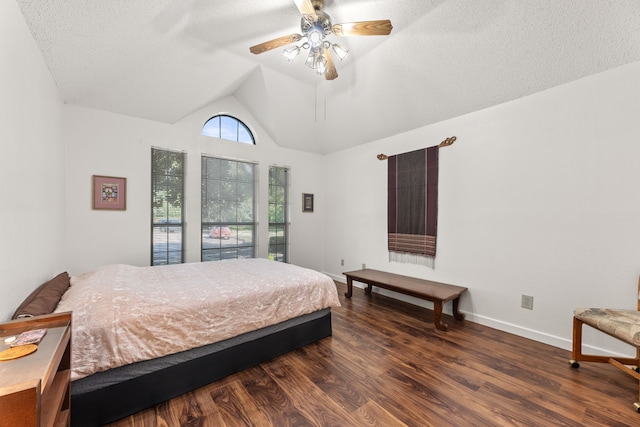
(221, 131)
(228, 230)
(167, 225)
(275, 207)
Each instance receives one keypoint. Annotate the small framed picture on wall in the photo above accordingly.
(109, 192)
(307, 202)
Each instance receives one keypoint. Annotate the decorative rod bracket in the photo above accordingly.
(447, 142)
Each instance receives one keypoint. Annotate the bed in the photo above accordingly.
(143, 335)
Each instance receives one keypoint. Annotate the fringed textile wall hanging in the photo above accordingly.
(413, 205)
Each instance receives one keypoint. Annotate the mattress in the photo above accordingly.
(124, 314)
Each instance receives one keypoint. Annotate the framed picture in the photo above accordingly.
(109, 192)
(307, 202)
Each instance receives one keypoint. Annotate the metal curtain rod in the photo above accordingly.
(447, 142)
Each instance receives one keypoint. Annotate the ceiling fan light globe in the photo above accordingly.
(291, 53)
(321, 64)
(315, 38)
(311, 60)
(340, 51)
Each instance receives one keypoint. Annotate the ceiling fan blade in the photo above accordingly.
(306, 8)
(330, 73)
(275, 43)
(365, 28)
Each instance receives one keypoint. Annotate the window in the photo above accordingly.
(229, 128)
(278, 215)
(228, 209)
(167, 207)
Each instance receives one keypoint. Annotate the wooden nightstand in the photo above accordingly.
(35, 389)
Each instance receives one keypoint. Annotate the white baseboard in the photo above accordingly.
(518, 330)
(500, 325)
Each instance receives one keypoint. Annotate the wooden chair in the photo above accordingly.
(618, 323)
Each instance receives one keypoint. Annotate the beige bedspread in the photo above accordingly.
(124, 314)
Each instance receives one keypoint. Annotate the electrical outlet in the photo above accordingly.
(364, 266)
(527, 302)
(342, 262)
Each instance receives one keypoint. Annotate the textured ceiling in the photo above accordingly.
(164, 59)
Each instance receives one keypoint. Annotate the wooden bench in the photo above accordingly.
(436, 292)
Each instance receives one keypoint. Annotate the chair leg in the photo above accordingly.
(636, 405)
(576, 352)
(577, 355)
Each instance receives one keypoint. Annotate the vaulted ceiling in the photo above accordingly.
(164, 59)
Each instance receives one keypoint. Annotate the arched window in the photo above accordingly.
(229, 128)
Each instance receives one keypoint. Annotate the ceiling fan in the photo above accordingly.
(315, 26)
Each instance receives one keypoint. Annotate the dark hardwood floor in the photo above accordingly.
(386, 365)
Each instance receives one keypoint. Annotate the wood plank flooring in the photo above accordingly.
(387, 365)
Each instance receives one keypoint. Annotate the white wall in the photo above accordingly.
(32, 172)
(540, 196)
(102, 143)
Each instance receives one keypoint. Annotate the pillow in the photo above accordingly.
(45, 298)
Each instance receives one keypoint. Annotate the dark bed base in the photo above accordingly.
(119, 400)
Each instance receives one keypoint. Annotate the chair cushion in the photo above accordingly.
(622, 324)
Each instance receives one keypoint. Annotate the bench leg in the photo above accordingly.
(437, 316)
(349, 292)
(456, 312)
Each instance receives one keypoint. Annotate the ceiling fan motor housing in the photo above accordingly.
(322, 25)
